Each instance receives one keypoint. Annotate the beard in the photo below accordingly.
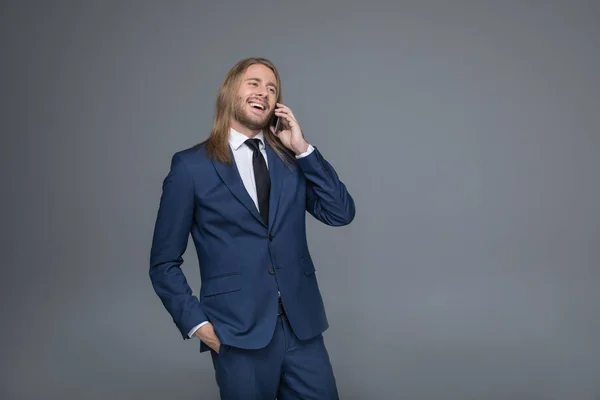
(250, 121)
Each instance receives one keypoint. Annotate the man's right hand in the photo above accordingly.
(206, 333)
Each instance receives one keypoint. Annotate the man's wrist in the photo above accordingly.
(308, 151)
(303, 148)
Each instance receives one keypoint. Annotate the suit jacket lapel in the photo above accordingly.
(231, 178)
(277, 173)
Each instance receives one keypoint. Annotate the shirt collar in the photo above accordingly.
(237, 139)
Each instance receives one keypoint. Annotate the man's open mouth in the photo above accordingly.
(258, 106)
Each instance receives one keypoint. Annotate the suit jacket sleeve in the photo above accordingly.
(169, 242)
(327, 198)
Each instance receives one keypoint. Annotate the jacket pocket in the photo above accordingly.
(307, 266)
(221, 284)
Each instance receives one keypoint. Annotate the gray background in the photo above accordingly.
(467, 132)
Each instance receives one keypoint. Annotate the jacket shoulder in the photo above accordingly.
(191, 156)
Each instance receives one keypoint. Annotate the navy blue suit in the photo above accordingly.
(244, 263)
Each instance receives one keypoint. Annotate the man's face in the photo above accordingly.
(256, 97)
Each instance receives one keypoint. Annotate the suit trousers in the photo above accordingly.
(287, 368)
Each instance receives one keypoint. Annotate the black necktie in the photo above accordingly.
(261, 176)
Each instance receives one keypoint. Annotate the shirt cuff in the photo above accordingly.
(194, 329)
(307, 152)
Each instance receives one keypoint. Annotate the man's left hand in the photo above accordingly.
(290, 133)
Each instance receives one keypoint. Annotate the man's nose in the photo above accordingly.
(261, 91)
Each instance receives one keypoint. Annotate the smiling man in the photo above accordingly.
(243, 195)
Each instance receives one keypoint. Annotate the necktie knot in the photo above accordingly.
(254, 144)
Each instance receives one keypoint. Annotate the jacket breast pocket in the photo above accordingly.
(221, 284)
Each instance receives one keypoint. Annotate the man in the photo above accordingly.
(243, 195)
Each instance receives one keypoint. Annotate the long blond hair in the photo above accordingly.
(217, 145)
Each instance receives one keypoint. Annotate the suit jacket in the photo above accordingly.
(243, 262)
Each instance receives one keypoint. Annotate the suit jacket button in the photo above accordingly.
(271, 271)
(270, 238)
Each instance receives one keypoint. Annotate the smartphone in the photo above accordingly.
(275, 123)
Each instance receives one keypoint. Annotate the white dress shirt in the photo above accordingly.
(243, 159)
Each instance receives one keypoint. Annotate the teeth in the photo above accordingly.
(257, 105)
